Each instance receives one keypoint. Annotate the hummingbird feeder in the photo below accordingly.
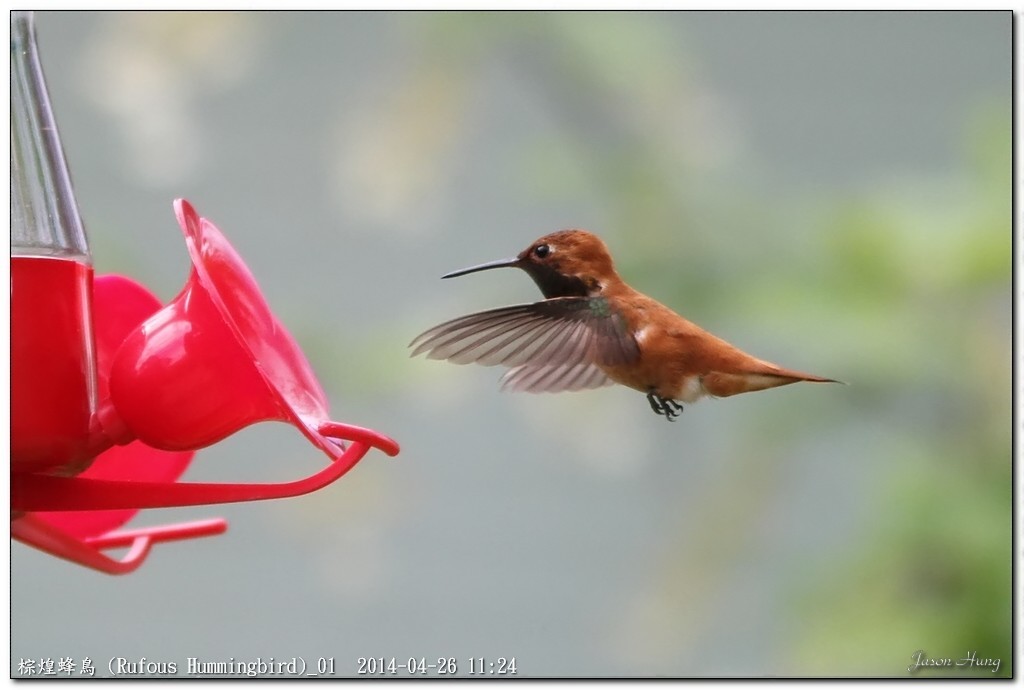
(112, 393)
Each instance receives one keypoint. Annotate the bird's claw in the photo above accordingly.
(665, 407)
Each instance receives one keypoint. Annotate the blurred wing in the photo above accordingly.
(565, 331)
(566, 377)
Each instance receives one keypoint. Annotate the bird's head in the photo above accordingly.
(566, 263)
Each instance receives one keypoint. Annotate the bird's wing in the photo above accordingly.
(559, 332)
(555, 379)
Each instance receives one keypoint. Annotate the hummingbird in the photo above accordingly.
(593, 330)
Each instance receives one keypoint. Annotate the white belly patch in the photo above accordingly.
(692, 390)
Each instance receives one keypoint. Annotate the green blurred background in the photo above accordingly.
(829, 191)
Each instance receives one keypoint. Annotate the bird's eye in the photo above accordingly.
(541, 250)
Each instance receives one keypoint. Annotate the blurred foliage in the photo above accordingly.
(932, 571)
(913, 282)
(901, 290)
(910, 280)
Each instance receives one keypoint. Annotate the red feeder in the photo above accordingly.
(111, 394)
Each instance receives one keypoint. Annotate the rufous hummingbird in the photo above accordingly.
(592, 330)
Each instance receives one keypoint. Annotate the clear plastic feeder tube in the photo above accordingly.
(44, 214)
(53, 368)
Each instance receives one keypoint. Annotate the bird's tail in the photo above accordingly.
(761, 377)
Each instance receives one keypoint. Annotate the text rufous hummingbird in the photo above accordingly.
(592, 330)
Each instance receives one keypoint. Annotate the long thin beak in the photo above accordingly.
(500, 263)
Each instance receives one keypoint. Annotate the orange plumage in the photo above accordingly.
(593, 330)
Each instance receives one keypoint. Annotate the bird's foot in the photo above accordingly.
(665, 407)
